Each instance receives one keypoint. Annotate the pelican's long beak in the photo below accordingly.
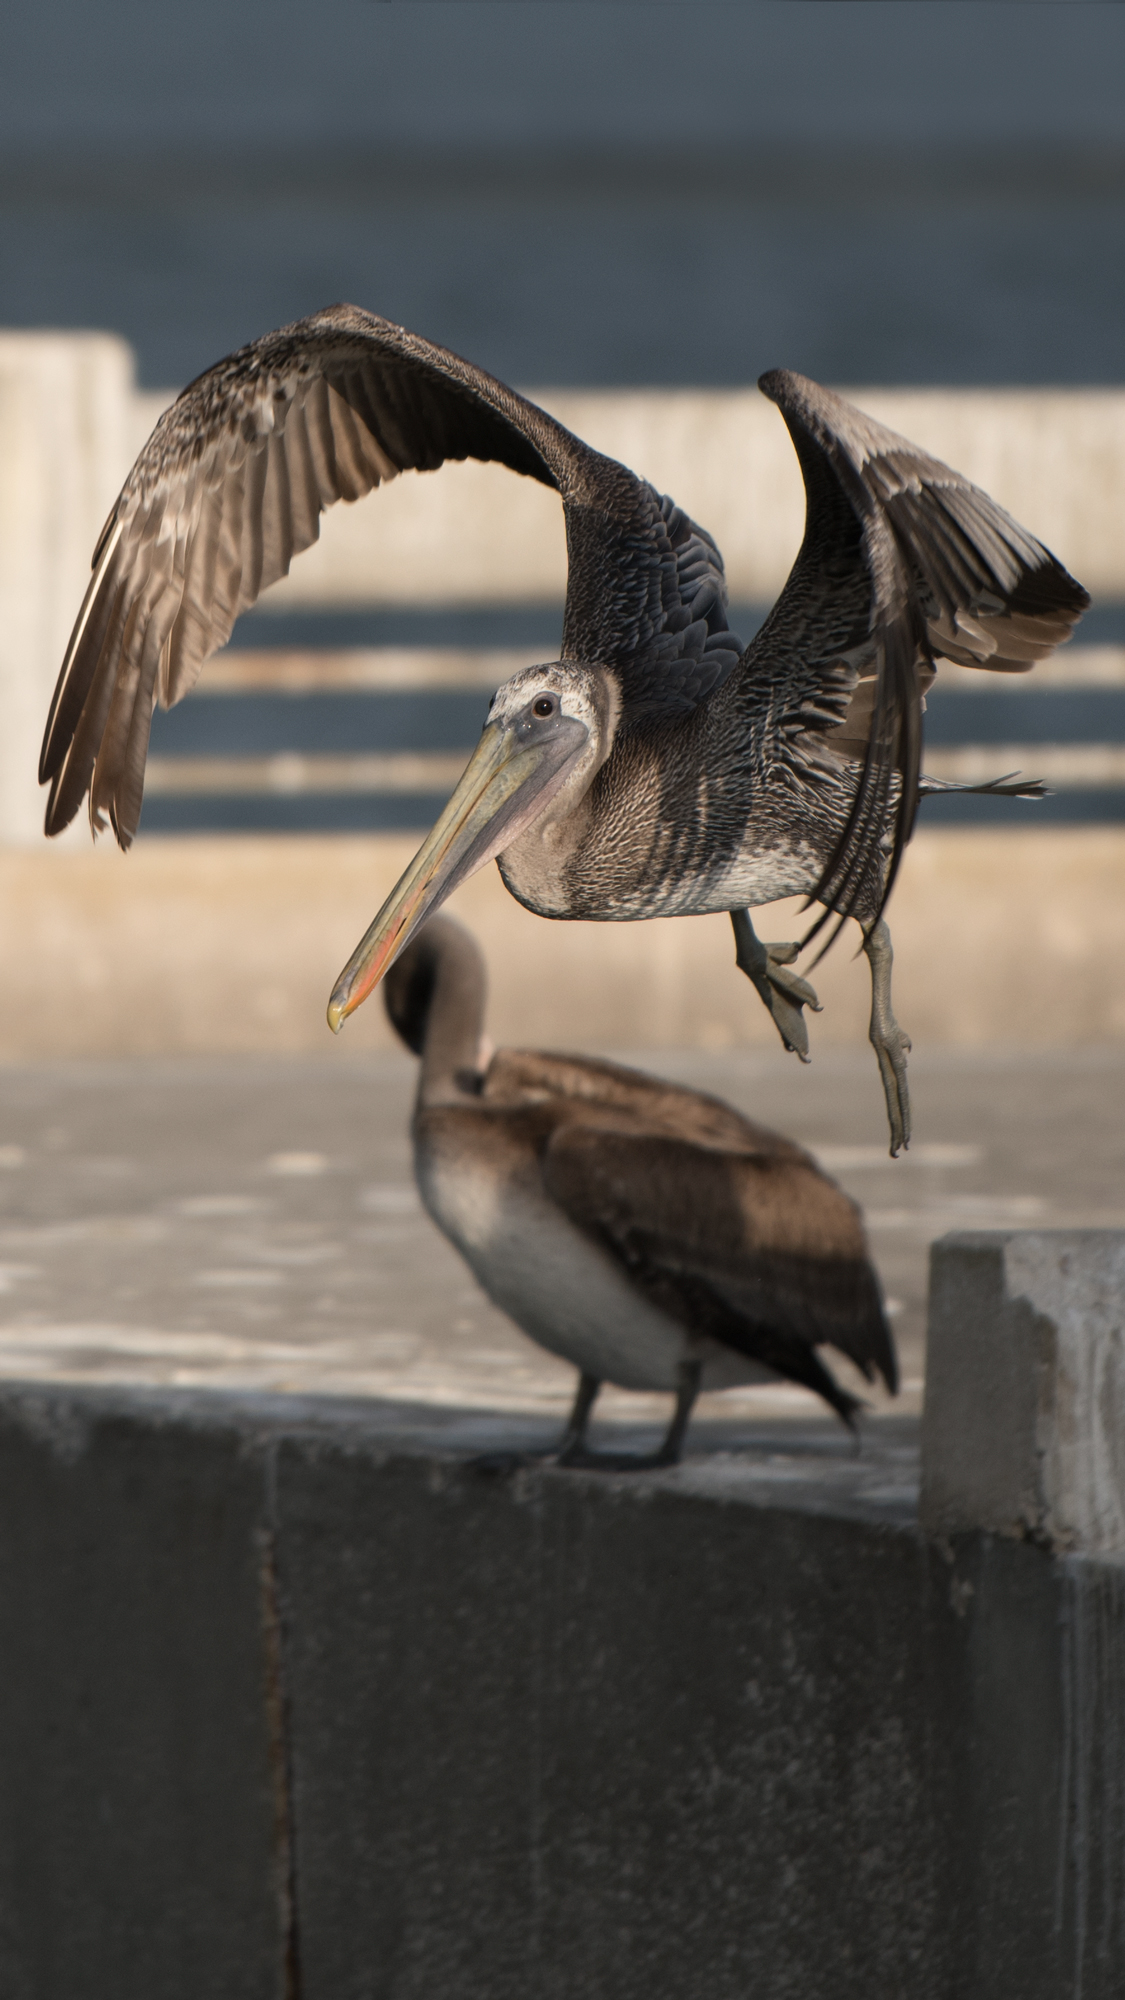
(505, 785)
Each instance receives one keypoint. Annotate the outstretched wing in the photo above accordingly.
(902, 560)
(231, 486)
(763, 1252)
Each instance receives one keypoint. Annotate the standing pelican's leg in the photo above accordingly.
(577, 1454)
(574, 1437)
(783, 992)
(890, 1043)
(570, 1449)
(691, 1375)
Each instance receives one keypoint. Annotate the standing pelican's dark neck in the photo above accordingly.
(435, 996)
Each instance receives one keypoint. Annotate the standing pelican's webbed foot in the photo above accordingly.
(575, 1453)
(782, 991)
(890, 1043)
(501, 1464)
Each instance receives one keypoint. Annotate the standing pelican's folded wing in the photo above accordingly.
(902, 560)
(760, 1251)
(231, 486)
(528, 1076)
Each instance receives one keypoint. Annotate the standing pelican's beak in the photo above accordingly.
(511, 776)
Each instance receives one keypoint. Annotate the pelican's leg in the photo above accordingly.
(568, 1450)
(577, 1454)
(574, 1437)
(783, 992)
(691, 1374)
(889, 1042)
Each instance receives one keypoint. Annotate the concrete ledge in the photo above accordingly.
(211, 945)
(1024, 1430)
(294, 1701)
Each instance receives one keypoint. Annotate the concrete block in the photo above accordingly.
(295, 1702)
(676, 1748)
(140, 1855)
(1024, 1426)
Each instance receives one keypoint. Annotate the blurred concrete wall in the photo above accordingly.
(211, 943)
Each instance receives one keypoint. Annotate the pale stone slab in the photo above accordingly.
(1024, 1426)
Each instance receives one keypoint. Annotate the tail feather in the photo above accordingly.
(1012, 786)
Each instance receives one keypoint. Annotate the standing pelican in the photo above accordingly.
(647, 1233)
(659, 768)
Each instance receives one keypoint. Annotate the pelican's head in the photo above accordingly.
(549, 730)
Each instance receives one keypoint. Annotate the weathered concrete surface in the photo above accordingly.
(137, 1840)
(1024, 1427)
(210, 944)
(733, 1729)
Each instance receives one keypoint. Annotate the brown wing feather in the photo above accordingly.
(230, 487)
(775, 1245)
(529, 1076)
(902, 559)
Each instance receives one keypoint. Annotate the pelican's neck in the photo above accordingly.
(454, 1021)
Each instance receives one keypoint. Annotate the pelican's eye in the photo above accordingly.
(544, 705)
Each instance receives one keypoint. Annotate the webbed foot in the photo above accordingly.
(783, 992)
(504, 1464)
(580, 1458)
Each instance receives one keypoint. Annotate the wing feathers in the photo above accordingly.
(926, 564)
(128, 789)
(230, 487)
(304, 484)
(318, 424)
(353, 479)
(87, 639)
(253, 549)
(277, 526)
(751, 1247)
(72, 776)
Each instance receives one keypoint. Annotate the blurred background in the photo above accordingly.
(595, 194)
(630, 210)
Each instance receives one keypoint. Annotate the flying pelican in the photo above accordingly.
(659, 768)
(647, 1233)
